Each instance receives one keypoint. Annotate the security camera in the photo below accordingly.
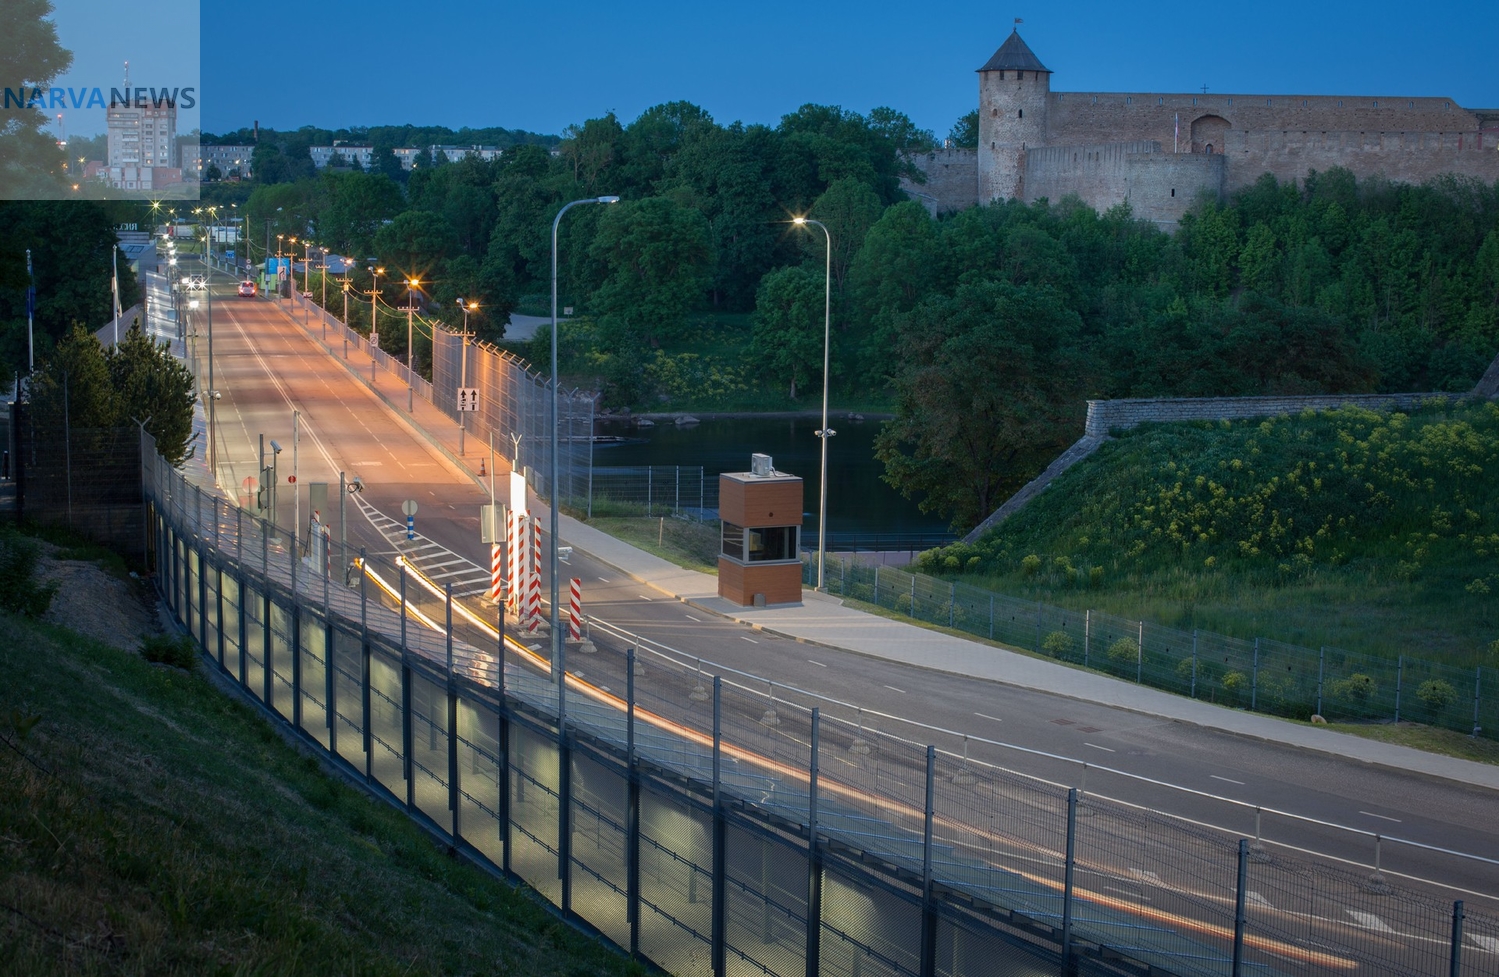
(275, 447)
(357, 485)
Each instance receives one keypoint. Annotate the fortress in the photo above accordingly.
(1160, 152)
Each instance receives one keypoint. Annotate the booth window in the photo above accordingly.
(760, 545)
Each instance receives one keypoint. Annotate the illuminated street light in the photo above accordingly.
(824, 432)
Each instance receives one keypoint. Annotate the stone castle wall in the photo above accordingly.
(1115, 415)
(1158, 186)
(951, 180)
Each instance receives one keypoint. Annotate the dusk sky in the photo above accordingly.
(542, 67)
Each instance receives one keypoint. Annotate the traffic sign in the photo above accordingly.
(291, 479)
(468, 399)
(409, 507)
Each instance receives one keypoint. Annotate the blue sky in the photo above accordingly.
(541, 66)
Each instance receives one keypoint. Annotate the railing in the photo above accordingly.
(1259, 674)
(718, 823)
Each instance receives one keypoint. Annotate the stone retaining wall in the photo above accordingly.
(1118, 415)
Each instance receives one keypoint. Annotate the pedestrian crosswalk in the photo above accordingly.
(432, 560)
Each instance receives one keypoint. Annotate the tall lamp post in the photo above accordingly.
(375, 274)
(552, 487)
(467, 306)
(824, 432)
(412, 285)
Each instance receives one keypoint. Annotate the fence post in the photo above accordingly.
(1240, 920)
(406, 737)
(952, 603)
(239, 535)
(991, 616)
(1087, 634)
(1399, 681)
(1038, 627)
(240, 614)
(814, 860)
(330, 708)
(1140, 654)
(296, 662)
(650, 473)
(266, 644)
(876, 585)
(1072, 798)
(913, 595)
(632, 809)
(1455, 966)
(928, 913)
(1477, 689)
(453, 793)
(1321, 665)
(403, 609)
(718, 832)
(1194, 663)
(677, 471)
(1254, 678)
(364, 654)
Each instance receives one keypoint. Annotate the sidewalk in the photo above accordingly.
(825, 621)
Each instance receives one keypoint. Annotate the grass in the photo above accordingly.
(1376, 533)
(151, 824)
(689, 544)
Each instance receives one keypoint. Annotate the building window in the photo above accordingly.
(1173, 191)
(1095, 99)
(1160, 101)
(1340, 103)
(1268, 101)
(1210, 149)
(760, 545)
(1129, 100)
(1230, 101)
(1376, 103)
(1021, 114)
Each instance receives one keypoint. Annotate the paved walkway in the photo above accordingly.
(825, 621)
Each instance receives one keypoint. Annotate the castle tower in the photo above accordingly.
(1014, 88)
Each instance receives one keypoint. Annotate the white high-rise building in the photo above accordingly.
(142, 137)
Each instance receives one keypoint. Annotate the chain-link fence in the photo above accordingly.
(714, 822)
(1259, 674)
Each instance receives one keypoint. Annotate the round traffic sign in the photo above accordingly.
(291, 478)
(409, 507)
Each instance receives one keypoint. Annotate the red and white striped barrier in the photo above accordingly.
(496, 573)
(575, 611)
(533, 609)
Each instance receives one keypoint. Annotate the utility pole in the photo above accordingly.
(30, 312)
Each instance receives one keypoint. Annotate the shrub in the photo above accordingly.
(174, 650)
(1357, 687)
(20, 593)
(1124, 651)
(1030, 564)
(1436, 694)
(1235, 682)
(1058, 644)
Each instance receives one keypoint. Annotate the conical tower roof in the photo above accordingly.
(1014, 55)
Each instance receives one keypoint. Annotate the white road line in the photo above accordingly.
(894, 689)
(1226, 780)
(1129, 892)
(818, 664)
(1369, 921)
(603, 579)
(1145, 876)
(1103, 748)
(1381, 817)
(642, 597)
(1489, 943)
(991, 718)
(1257, 899)
(691, 618)
(745, 637)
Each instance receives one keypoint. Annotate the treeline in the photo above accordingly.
(985, 330)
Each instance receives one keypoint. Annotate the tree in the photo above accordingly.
(31, 164)
(153, 386)
(788, 325)
(415, 243)
(849, 208)
(965, 132)
(72, 387)
(657, 257)
(988, 388)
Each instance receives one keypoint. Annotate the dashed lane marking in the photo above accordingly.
(1369, 921)
(745, 637)
(1257, 899)
(894, 689)
(1103, 748)
(691, 618)
(1227, 780)
(818, 664)
(1381, 817)
(991, 718)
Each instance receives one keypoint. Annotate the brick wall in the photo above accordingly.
(1113, 415)
(1159, 186)
(951, 180)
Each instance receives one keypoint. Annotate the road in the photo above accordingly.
(266, 366)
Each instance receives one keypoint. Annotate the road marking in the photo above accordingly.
(745, 637)
(1103, 748)
(1381, 817)
(894, 689)
(1369, 921)
(1134, 894)
(818, 664)
(691, 618)
(642, 597)
(1227, 780)
(993, 718)
(603, 579)
(1257, 899)
(1489, 943)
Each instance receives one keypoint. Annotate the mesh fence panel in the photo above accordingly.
(867, 929)
(429, 748)
(279, 658)
(313, 663)
(480, 773)
(599, 812)
(653, 490)
(386, 735)
(231, 596)
(534, 810)
(348, 689)
(765, 904)
(676, 881)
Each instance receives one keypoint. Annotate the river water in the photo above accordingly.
(860, 504)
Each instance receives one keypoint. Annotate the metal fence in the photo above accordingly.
(1259, 674)
(716, 823)
(687, 491)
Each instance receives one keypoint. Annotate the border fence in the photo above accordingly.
(715, 823)
(1260, 675)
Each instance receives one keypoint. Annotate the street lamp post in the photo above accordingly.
(557, 673)
(411, 286)
(467, 307)
(824, 432)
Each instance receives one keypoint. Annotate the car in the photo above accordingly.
(247, 290)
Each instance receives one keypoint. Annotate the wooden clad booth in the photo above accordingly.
(759, 560)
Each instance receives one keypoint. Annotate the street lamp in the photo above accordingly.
(824, 432)
(557, 672)
(412, 285)
(467, 307)
(375, 274)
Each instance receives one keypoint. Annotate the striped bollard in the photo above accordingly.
(534, 608)
(496, 573)
(575, 611)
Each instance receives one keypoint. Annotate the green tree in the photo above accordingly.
(415, 244)
(31, 164)
(358, 205)
(965, 132)
(657, 257)
(988, 387)
(849, 208)
(153, 386)
(72, 387)
(788, 325)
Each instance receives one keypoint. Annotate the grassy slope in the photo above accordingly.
(1369, 532)
(150, 824)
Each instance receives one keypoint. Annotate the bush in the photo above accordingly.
(1235, 682)
(167, 649)
(20, 593)
(1124, 651)
(1436, 694)
(1030, 564)
(1058, 644)
(1358, 688)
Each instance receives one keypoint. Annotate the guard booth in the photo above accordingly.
(759, 560)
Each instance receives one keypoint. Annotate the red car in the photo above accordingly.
(247, 290)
